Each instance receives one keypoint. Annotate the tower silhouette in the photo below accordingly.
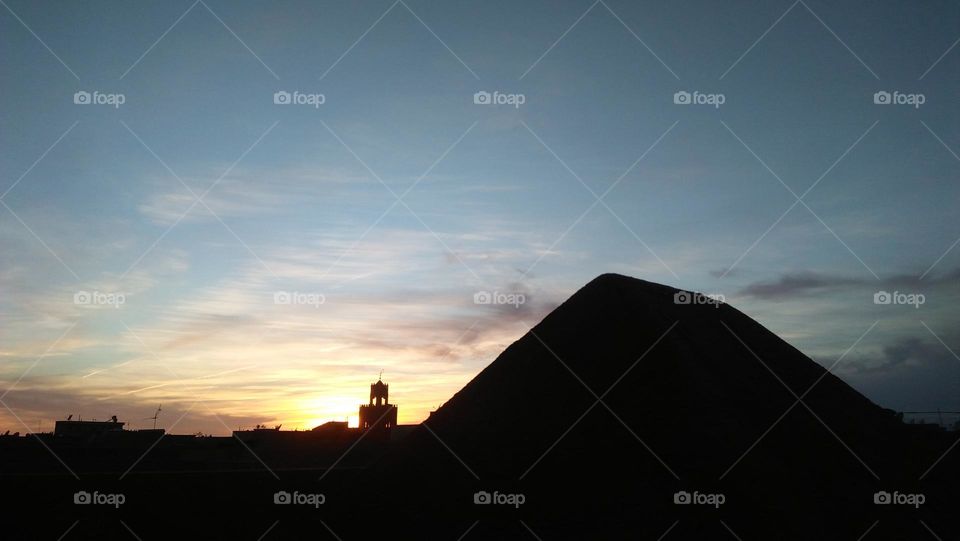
(379, 413)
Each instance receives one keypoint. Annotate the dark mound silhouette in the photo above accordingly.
(622, 397)
(590, 426)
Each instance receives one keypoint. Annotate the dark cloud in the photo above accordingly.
(806, 283)
(722, 273)
(908, 374)
(798, 284)
(910, 350)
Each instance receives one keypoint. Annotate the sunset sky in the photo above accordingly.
(399, 198)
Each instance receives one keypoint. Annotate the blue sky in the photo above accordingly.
(492, 197)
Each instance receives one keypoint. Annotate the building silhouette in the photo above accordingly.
(86, 429)
(379, 413)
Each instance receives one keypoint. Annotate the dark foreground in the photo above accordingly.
(622, 415)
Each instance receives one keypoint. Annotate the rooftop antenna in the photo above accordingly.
(380, 377)
(155, 415)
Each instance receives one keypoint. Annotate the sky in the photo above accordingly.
(244, 211)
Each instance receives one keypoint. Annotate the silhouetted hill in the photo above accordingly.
(687, 391)
(696, 398)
